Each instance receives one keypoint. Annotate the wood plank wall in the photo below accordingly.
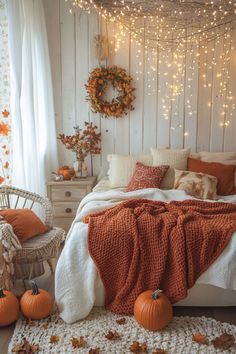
(72, 50)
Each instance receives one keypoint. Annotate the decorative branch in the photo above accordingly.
(83, 142)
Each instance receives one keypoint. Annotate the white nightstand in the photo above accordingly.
(66, 196)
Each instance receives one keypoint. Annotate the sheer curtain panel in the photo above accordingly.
(33, 119)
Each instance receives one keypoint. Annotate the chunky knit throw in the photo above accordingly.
(142, 244)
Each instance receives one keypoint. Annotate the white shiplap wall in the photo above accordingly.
(72, 50)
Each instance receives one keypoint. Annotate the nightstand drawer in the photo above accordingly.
(64, 223)
(65, 209)
(65, 197)
(68, 193)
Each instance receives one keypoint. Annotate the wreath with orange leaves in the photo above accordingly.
(98, 82)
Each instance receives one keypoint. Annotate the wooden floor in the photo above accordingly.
(223, 314)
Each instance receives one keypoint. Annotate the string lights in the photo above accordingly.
(180, 41)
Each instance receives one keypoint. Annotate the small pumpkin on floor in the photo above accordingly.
(36, 304)
(9, 308)
(153, 310)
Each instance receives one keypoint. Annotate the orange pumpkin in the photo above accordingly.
(153, 310)
(9, 308)
(67, 172)
(36, 303)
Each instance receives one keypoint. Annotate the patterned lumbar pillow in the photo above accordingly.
(147, 177)
(196, 184)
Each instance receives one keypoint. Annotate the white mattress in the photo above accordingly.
(200, 295)
(77, 280)
(208, 295)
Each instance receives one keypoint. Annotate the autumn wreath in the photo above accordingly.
(96, 87)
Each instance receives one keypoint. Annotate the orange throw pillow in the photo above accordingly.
(147, 177)
(25, 223)
(223, 173)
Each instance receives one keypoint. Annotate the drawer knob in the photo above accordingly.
(68, 210)
(68, 194)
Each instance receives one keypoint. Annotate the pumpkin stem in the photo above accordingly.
(156, 294)
(35, 289)
(2, 295)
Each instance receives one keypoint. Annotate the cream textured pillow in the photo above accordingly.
(227, 158)
(198, 185)
(122, 167)
(175, 158)
(195, 155)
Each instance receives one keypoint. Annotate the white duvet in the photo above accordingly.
(77, 284)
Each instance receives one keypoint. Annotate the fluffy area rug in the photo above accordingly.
(115, 334)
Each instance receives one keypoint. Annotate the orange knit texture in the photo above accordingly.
(141, 244)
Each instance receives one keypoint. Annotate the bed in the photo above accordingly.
(78, 286)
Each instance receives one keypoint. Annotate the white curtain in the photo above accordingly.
(32, 111)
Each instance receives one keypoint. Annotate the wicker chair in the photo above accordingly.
(26, 261)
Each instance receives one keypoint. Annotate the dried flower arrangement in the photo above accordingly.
(83, 142)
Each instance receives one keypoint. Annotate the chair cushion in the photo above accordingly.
(41, 247)
(29, 261)
(25, 223)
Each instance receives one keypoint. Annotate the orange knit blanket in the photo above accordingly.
(142, 244)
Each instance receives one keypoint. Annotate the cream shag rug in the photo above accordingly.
(176, 338)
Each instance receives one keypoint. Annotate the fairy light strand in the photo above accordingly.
(161, 28)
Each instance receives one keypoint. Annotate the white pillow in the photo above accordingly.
(122, 167)
(227, 158)
(195, 155)
(175, 158)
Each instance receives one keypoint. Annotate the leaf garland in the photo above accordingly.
(5, 113)
(4, 129)
(96, 87)
(5, 133)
